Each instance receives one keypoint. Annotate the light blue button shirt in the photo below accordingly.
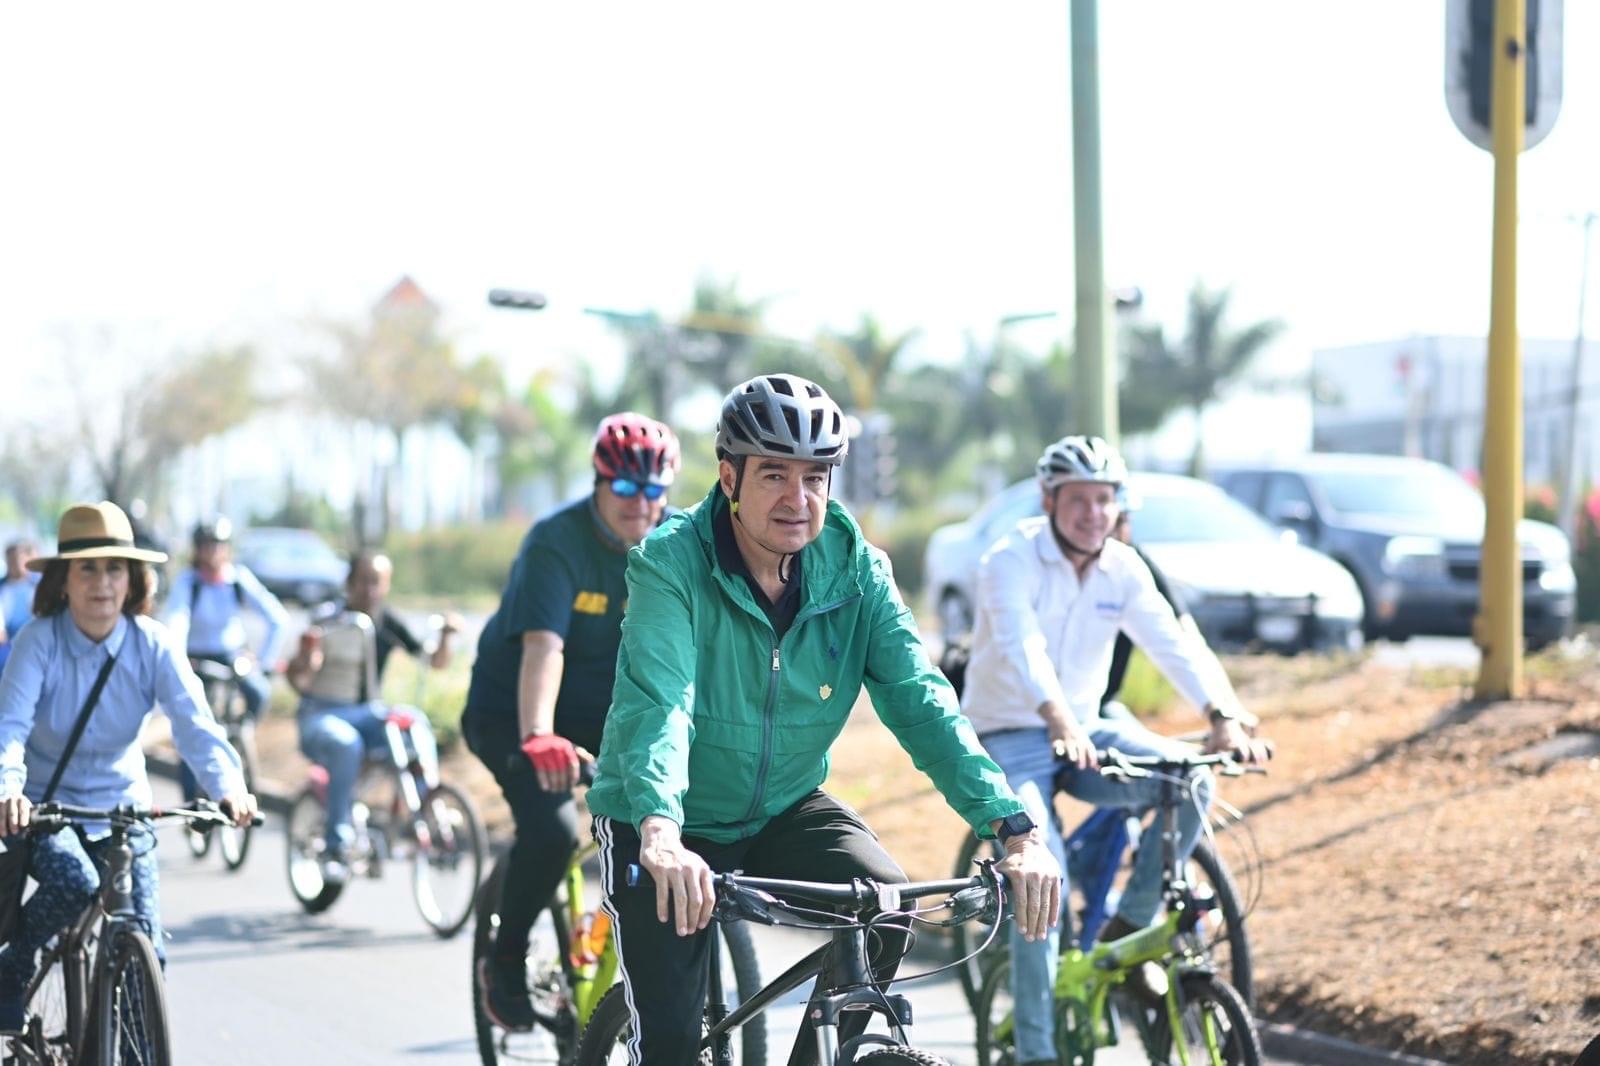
(53, 666)
(215, 626)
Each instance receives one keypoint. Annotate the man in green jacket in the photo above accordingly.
(752, 623)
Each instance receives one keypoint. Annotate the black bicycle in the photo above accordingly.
(225, 697)
(855, 912)
(97, 996)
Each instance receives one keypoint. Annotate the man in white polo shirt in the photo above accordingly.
(1052, 595)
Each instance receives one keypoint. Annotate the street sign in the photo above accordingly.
(1468, 54)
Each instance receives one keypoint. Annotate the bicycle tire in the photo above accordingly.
(452, 840)
(549, 976)
(234, 842)
(611, 1025)
(1207, 1001)
(305, 845)
(994, 1050)
(1238, 963)
(131, 1005)
(890, 1056)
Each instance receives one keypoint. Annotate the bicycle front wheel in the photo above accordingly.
(1213, 1026)
(900, 1056)
(996, 1036)
(234, 841)
(449, 859)
(55, 1006)
(131, 1006)
(308, 820)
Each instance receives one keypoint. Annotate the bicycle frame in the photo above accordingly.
(589, 981)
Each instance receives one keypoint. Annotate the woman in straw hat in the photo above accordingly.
(92, 606)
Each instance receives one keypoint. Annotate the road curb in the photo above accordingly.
(1318, 1049)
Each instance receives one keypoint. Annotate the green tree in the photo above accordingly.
(864, 359)
(1162, 375)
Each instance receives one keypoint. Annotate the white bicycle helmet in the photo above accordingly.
(1080, 458)
(782, 416)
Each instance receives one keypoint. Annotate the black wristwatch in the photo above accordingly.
(1013, 825)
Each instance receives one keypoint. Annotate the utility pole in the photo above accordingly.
(1498, 627)
(1094, 371)
(1571, 473)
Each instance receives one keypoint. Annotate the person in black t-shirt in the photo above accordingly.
(340, 678)
(542, 681)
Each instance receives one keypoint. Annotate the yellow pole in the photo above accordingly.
(1498, 627)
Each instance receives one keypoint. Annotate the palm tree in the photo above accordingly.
(865, 359)
(1193, 371)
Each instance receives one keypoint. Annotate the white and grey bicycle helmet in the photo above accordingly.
(782, 416)
(1080, 458)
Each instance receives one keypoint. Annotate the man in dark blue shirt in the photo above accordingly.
(542, 681)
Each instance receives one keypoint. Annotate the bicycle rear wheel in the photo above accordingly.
(234, 841)
(1214, 1026)
(449, 858)
(131, 1005)
(610, 1028)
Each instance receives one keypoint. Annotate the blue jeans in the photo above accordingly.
(1024, 756)
(337, 737)
(68, 880)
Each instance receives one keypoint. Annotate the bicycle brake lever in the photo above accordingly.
(747, 904)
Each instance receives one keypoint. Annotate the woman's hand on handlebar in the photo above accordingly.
(682, 878)
(241, 807)
(15, 814)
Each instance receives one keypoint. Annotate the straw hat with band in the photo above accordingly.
(96, 531)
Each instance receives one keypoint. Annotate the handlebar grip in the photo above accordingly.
(634, 876)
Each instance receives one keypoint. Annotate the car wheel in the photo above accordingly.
(955, 615)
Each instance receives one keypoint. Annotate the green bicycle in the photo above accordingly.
(571, 965)
(1201, 1018)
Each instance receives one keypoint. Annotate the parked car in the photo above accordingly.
(1411, 531)
(1245, 583)
(294, 564)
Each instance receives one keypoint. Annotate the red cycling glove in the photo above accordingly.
(549, 752)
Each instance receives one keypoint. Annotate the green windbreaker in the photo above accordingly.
(718, 725)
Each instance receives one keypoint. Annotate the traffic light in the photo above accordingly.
(1469, 67)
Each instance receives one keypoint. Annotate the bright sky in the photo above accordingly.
(200, 171)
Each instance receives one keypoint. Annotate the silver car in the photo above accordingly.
(1247, 584)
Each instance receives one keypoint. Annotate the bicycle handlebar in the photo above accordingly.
(752, 897)
(48, 817)
(1114, 762)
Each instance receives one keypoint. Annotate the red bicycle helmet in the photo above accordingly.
(629, 445)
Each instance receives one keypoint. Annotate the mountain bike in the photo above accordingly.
(848, 985)
(226, 700)
(1201, 1018)
(571, 965)
(402, 810)
(98, 996)
(1100, 853)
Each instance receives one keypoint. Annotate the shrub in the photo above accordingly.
(454, 561)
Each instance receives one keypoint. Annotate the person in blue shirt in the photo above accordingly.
(205, 610)
(92, 603)
(16, 594)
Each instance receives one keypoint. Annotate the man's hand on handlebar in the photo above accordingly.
(682, 878)
(1069, 740)
(556, 760)
(1035, 883)
(1229, 735)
